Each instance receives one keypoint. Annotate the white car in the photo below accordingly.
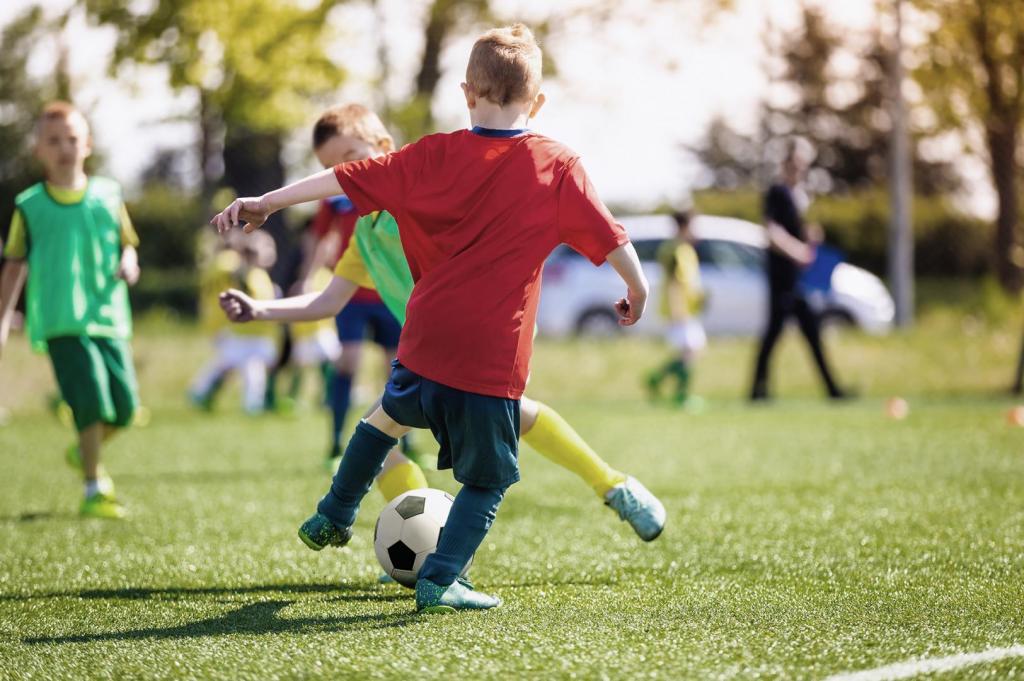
(577, 297)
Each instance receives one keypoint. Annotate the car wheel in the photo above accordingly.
(602, 323)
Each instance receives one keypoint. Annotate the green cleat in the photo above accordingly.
(385, 578)
(319, 532)
(459, 595)
(102, 505)
(636, 505)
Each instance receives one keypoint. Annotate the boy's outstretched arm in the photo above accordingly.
(308, 307)
(627, 264)
(255, 210)
(11, 280)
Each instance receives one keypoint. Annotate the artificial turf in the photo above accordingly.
(804, 538)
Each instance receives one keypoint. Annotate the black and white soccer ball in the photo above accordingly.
(408, 530)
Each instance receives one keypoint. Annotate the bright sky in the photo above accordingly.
(629, 95)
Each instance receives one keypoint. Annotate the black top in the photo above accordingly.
(781, 208)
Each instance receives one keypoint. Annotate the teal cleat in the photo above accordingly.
(459, 595)
(636, 505)
(319, 532)
(385, 578)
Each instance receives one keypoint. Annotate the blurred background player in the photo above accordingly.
(366, 317)
(682, 297)
(314, 345)
(250, 350)
(72, 238)
(791, 248)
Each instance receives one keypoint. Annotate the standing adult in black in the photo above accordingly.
(790, 250)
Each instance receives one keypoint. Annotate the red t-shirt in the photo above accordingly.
(478, 216)
(334, 216)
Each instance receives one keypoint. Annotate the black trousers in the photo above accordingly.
(783, 305)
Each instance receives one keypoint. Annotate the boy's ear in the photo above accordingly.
(470, 96)
(538, 102)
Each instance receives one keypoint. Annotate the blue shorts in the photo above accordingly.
(360, 320)
(478, 434)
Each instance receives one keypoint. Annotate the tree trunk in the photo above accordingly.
(252, 166)
(1002, 137)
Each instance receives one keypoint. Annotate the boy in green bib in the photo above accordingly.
(72, 238)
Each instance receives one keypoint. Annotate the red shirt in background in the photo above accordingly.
(478, 216)
(340, 216)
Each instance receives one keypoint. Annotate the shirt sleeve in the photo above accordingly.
(774, 205)
(17, 238)
(376, 183)
(351, 266)
(128, 235)
(584, 222)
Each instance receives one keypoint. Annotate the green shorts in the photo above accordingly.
(96, 378)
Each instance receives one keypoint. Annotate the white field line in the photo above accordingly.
(912, 668)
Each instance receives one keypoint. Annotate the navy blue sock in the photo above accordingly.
(471, 516)
(363, 460)
(340, 400)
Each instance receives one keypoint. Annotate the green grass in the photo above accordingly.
(804, 538)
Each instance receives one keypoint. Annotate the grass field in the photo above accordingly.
(804, 539)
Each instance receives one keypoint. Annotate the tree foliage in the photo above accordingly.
(971, 68)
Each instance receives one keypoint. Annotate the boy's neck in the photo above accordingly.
(73, 179)
(489, 115)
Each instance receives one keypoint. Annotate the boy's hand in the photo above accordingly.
(254, 211)
(128, 268)
(238, 307)
(631, 308)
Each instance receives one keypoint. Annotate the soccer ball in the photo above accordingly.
(408, 530)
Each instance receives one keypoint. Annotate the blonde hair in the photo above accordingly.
(58, 110)
(354, 120)
(505, 65)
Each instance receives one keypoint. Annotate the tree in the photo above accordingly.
(971, 68)
(21, 99)
(255, 65)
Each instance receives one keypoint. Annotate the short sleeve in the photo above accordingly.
(129, 237)
(584, 223)
(376, 183)
(774, 204)
(351, 266)
(17, 238)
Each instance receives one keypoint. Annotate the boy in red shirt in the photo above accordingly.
(479, 211)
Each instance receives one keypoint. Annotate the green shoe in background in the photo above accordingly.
(102, 505)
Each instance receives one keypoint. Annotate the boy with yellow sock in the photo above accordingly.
(480, 210)
(374, 259)
(72, 238)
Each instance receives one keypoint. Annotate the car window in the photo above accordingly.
(647, 249)
(729, 254)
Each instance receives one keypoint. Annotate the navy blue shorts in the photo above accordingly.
(360, 320)
(478, 434)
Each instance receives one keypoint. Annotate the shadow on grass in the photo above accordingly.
(253, 619)
(35, 516)
(341, 592)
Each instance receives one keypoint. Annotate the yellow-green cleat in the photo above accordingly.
(102, 505)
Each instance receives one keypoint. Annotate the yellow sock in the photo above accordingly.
(401, 478)
(555, 439)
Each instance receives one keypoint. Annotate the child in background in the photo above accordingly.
(315, 344)
(480, 210)
(366, 318)
(248, 350)
(682, 297)
(72, 237)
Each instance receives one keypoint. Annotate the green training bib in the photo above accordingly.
(73, 254)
